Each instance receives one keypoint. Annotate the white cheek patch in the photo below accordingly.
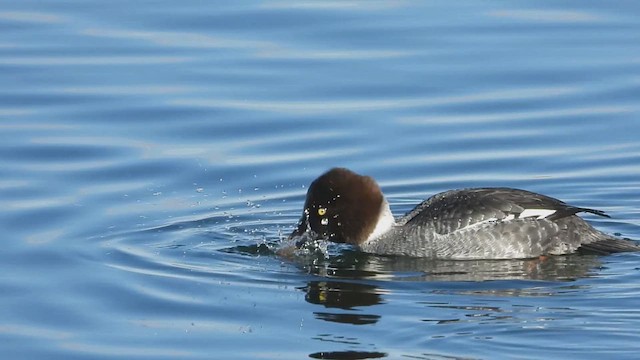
(537, 213)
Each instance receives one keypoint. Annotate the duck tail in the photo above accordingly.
(608, 245)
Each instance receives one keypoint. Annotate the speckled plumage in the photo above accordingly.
(483, 223)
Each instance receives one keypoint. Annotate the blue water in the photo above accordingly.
(153, 154)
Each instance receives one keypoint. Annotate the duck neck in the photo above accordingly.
(385, 222)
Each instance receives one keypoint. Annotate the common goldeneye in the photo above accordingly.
(481, 223)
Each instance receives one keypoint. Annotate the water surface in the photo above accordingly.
(154, 153)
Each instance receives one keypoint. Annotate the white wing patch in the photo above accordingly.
(538, 213)
(527, 213)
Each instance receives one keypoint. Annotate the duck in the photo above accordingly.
(342, 206)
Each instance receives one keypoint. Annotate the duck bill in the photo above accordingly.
(303, 234)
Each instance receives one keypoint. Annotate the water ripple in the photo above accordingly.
(341, 106)
(155, 157)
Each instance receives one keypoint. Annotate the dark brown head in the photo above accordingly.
(341, 206)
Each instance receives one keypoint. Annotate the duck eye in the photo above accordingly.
(322, 211)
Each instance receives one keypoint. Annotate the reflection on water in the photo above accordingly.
(351, 264)
(347, 355)
(550, 268)
(343, 295)
(349, 289)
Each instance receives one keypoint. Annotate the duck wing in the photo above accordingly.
(455, 210)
